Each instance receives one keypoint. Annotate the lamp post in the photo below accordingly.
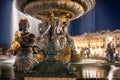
(110, 38)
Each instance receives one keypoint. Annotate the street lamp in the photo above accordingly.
(110, 38)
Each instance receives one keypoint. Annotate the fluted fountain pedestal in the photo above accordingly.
(50, 67)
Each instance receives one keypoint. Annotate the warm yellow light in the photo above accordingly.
(110, 38)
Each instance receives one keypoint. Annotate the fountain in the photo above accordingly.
(55, 16)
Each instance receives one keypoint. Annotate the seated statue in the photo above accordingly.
(24, 51)
(42, 39)
(64, 43)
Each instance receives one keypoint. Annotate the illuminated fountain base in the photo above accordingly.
(36, 78)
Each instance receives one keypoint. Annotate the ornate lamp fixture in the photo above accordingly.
(54, 13)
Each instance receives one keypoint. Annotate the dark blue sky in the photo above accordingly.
(108, 14)
(105, 15)
(5, 30)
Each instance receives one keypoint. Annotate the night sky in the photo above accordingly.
(5, 23)
(108, 14)
(105, 15)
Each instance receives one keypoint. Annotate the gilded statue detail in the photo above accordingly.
(24, 52)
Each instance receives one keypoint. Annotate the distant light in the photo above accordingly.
(110, 38)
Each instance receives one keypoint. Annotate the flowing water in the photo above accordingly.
(107, 71)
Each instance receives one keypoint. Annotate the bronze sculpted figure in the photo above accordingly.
(24, 54)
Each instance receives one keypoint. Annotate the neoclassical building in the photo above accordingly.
(97, 42)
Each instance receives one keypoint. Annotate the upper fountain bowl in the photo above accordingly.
(70, 9)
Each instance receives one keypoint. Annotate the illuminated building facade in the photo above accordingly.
(97, 42)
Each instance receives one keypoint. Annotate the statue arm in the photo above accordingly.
(29, 42)
(46, 31)
(71, 43)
